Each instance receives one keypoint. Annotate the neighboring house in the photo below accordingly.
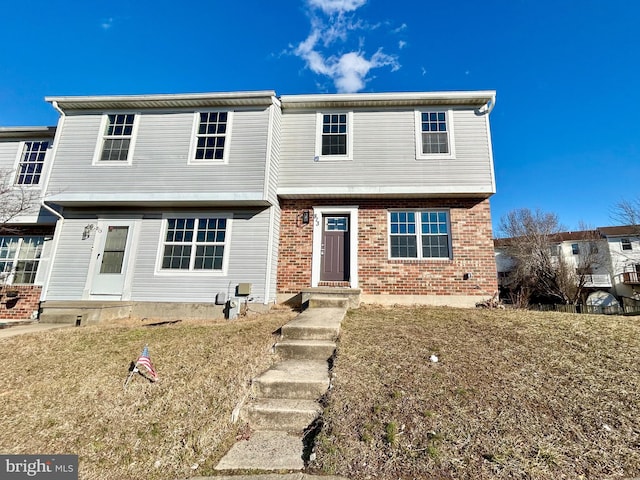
(605, 259)
(26, 227)
(169, 202)
(624, 251)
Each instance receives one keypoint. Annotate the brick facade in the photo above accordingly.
(471, 240)
(23, 305)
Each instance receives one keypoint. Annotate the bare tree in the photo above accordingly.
(15, 200)
(540, 270)
(627, 212)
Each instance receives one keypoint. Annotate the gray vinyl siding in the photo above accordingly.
(8, 154)
(384, 153)
(247, 252)
(274, 166)
(160, 157)
(71, 263)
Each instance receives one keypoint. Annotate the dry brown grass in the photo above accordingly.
(515, 394)
(62, 392)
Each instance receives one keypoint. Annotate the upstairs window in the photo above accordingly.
(334, 134)
(419, 234)
(117, 140)
(19, 259)
(434, 134)
(334, 140)
(195, 244)
(626, 243)
(575, 249)
(211, 136)
(31, 163)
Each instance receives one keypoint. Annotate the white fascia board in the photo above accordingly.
(304, 101)
(182, 100)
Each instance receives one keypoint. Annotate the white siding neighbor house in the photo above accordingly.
(26, 225)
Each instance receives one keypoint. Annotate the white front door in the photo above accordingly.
(111, 257)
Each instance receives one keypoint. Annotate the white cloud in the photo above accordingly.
(331, 7)
(107, 23)
(400, 28)
(402, 44)
(349, 67)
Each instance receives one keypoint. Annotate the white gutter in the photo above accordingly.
(59, 224)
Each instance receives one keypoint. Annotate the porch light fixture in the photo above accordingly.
(86, 233)
(305, 217)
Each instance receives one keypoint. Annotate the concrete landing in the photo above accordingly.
(265, 450)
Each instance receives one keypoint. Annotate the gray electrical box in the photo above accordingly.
(232, 308)
(244, 289)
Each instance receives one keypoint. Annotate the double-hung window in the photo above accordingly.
(211, 137)
(334, 136)
(117, 140)
(626, 244)
(19, 259)
(195, 244)
(419, 234)
(434, 134)
(31, 162)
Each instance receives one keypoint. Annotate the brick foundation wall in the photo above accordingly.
(22, 306)
(471, 239)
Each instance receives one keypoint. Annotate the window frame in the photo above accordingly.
(194, 138)
(20, 160)
(102, 136)
(318, 156)
(624, 244)
(16, 259)
(575, 248)
(191, 271)
(420, 155)
(418, 224)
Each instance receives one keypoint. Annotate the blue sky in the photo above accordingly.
(565, 127)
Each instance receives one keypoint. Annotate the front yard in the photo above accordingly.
(513, 395)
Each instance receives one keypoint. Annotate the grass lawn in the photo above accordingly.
(514, 394)
(62, 392)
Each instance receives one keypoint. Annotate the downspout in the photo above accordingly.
(43, 204)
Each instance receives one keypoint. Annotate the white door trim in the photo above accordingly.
(316, 258)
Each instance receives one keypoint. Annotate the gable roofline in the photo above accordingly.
(181, 100)
(397, 99)
(24, 133)
(622, 230)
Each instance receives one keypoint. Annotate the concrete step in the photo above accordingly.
(281, 414)
(315, 324)
(326, 301)
(265, 450)
(293, 379)
(305, 349)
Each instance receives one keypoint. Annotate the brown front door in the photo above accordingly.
(335, 248)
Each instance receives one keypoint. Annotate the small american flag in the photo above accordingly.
(145, 361)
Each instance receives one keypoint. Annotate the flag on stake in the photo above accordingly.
(145, 361)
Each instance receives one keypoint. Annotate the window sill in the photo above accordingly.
(436, 156)
(419, 260)
(332, 158)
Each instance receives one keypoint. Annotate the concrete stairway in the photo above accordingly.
(286, 396)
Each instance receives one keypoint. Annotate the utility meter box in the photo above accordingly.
(244, 289)
(232, 308)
